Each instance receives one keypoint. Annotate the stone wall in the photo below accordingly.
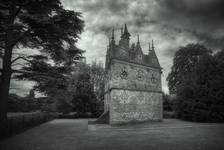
(129, 106)
(133, 92)
(131, 76)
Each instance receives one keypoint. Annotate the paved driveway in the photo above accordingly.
(65, 134)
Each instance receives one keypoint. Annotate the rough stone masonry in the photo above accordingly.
(132, 82)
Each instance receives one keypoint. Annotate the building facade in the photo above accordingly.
(132, 82)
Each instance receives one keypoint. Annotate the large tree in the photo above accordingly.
(88, 87)
(201, 98)
(84, 97)
(97, 74)
(184, 63)
(41, 24)
(198, 84)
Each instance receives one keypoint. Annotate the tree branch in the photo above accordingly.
(20, 57)
(18, 64)
(18, 10)
(20, 37)
(53, 76)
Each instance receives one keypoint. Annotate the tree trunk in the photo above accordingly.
(6, 69)
(5, 83)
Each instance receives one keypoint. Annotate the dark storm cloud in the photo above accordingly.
(171, 23)
(117, 6)
(113, 13)
(203, 19)
(104, 12)
(201, 8)
(114, 6)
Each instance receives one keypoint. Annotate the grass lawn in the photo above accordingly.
(171, 134)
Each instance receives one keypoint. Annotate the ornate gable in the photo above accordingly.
(133, 53)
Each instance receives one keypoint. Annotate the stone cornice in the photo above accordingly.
(129, 89)
(135, 64)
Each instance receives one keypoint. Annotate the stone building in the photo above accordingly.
(132, 82)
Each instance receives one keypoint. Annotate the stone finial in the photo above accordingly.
(153, 48)
(138, 39)
(125, 29)
(138, 46)
(113, 34)
(112, 37)
(126, 33)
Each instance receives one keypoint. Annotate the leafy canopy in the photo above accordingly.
(199, 84)
(184, 63)
(40, 24)
(46, 26)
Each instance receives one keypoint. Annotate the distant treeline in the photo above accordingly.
(29, 104)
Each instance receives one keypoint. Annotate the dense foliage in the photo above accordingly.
(43, 25)
(83, 92)
(200, 91)
(167, 102)
(29, 104)
(184, 62)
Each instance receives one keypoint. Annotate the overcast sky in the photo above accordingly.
(170, 23)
